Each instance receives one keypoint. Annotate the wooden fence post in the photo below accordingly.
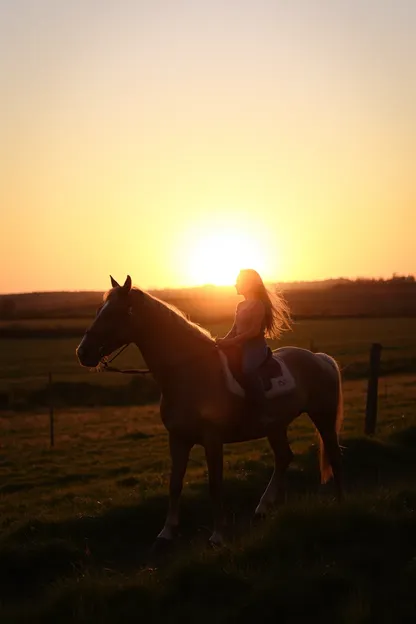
(11, 397)
(372, 389)
(51, 415)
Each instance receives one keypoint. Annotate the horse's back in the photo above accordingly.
(299, 360)
(293, 353)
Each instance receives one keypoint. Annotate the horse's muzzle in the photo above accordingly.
(90, 360)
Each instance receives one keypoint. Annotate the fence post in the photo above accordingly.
(372, 389)
(51, 415)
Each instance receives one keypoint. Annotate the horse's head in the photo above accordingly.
(111, 328)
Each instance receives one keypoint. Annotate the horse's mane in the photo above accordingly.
(176, 315)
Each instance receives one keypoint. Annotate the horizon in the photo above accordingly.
(353, 280)
(180, 143)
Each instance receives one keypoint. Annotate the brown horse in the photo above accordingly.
(197, 405)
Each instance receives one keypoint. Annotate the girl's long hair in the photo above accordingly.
(277, 318)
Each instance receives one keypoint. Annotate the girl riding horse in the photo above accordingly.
(256, 317)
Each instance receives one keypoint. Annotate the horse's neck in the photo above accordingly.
(164, 350)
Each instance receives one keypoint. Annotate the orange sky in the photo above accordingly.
(141, 137)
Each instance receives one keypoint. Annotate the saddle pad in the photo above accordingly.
(283, 384)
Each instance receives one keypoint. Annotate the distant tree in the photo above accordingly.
(401, 279)
(7, 309)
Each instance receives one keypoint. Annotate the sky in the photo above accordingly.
(177, 141)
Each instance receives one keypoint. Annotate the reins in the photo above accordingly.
(105, 368)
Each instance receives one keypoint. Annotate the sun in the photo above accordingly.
(217, 258)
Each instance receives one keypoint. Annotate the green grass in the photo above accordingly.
(51, 324)
(24, 363)
(76, 523)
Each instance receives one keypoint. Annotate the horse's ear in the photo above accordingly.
(127, 285)
(114, 284)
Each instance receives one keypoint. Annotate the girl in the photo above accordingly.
(257, 316)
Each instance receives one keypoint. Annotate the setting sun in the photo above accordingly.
(218, 257)
(180, 141)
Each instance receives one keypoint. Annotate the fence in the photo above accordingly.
(371, 408)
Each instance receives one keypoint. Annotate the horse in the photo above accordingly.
(198, 406)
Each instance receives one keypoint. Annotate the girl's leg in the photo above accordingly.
(253, 357)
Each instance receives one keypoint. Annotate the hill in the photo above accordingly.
(337, 297)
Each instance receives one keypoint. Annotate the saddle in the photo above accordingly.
(269, 370)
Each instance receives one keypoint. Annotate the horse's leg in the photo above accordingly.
(331, 458)
(179, 452)
(214, 456)
(283, 455)
(327, 416)
(332, 451)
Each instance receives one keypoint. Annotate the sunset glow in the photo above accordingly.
(177, 142)
(218, 257)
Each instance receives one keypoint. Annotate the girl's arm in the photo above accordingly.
(231, 334)
(257, 316)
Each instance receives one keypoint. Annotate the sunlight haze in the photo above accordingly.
(180, 141)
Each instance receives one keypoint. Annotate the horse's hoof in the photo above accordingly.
(216, 540)
(215, 547)
(161, 546)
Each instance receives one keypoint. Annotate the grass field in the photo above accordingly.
(77, 521)
(24, 363)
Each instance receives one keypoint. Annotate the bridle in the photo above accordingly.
(104, 363)
(104, 367)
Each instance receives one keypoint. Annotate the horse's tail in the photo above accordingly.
(325, 466)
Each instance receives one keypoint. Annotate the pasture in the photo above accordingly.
(77, 520)
(25, 362)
